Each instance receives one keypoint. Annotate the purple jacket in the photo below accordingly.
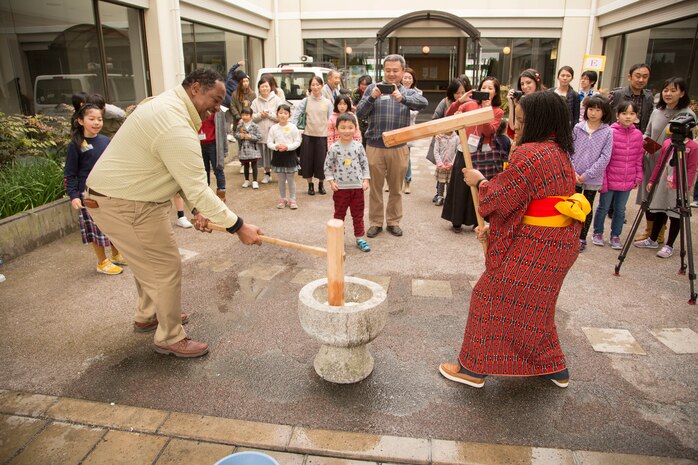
(624, 171)
(591, 152)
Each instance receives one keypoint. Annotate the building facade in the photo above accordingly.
(130, 49)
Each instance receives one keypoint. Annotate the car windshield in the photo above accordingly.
(55, 91)
(294, 84)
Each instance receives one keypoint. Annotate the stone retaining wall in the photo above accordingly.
(28, 230)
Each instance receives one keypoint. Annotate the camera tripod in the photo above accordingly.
(677, 159)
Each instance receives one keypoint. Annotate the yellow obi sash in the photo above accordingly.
(557, 211)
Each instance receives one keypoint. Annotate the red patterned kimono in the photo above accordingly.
(511, 325)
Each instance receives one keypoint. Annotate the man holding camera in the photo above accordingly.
(387, 106)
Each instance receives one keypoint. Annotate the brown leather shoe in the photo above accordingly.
(452, 371)
(186, 348)
(394, 230)
(221, 194)
(373, 231)
(151, 325)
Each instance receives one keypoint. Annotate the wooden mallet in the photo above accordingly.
(439, 126)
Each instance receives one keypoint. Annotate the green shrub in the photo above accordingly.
(27, 183)
(35, 136)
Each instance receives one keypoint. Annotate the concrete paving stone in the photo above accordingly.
(679, 340)
(217, 265)
(360, 445)
(239, 432)
(317, 460)
(602, 458)
(384, 281)
(15, 432)
(21, 403)
(431, 288)
(185, 452)
(262, 271)
(187, 254)
(118, 447)
(284, 458)
(468, 453)
(59, 443)
(618, 341)
(305, 276)
(473, 283)
(103, 414)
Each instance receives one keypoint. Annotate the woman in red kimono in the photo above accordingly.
(535, 220)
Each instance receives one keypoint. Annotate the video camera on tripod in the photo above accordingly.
(682, 125)
(680, 128)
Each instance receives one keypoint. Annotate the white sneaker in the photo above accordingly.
(246, 184)
(694, 204)
(647, 244)
(266, 179)
(666, 252)
(255, 185)
(183, 222)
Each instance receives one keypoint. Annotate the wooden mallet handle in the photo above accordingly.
(280, 242)
(473, 190)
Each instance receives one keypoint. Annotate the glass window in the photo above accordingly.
(50, 50)
(125, 61)
(210, 48)
(668, 49)
(495, 59)
(613, 73)
(539, 54)
(188, 46)
(235, 48)
(354, 57)
(256, 58)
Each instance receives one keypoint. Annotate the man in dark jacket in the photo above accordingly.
(638, 77)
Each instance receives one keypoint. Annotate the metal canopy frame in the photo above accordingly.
(429, 15)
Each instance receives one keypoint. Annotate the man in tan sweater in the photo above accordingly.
(155, 155)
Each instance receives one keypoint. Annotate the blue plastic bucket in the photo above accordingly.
(247, 458)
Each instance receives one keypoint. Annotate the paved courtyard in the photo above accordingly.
(630, 341)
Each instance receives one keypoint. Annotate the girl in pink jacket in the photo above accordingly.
(623, 173)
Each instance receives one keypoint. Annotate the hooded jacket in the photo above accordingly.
(591, 152)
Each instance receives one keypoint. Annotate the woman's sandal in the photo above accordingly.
(363, 245)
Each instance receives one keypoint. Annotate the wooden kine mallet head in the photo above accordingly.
(439, 126)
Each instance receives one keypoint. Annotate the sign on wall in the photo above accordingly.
(594, 63)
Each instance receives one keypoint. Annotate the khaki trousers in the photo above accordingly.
(143, 232)
(386, 164)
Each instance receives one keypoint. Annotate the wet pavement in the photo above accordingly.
(67, 332)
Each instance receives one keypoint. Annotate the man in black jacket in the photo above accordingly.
(638, 77)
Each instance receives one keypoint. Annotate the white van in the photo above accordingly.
(293, 79)
(50, 90)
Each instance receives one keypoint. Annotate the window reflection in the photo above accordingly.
(668, 49)
(50, 50)
(208, 47)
